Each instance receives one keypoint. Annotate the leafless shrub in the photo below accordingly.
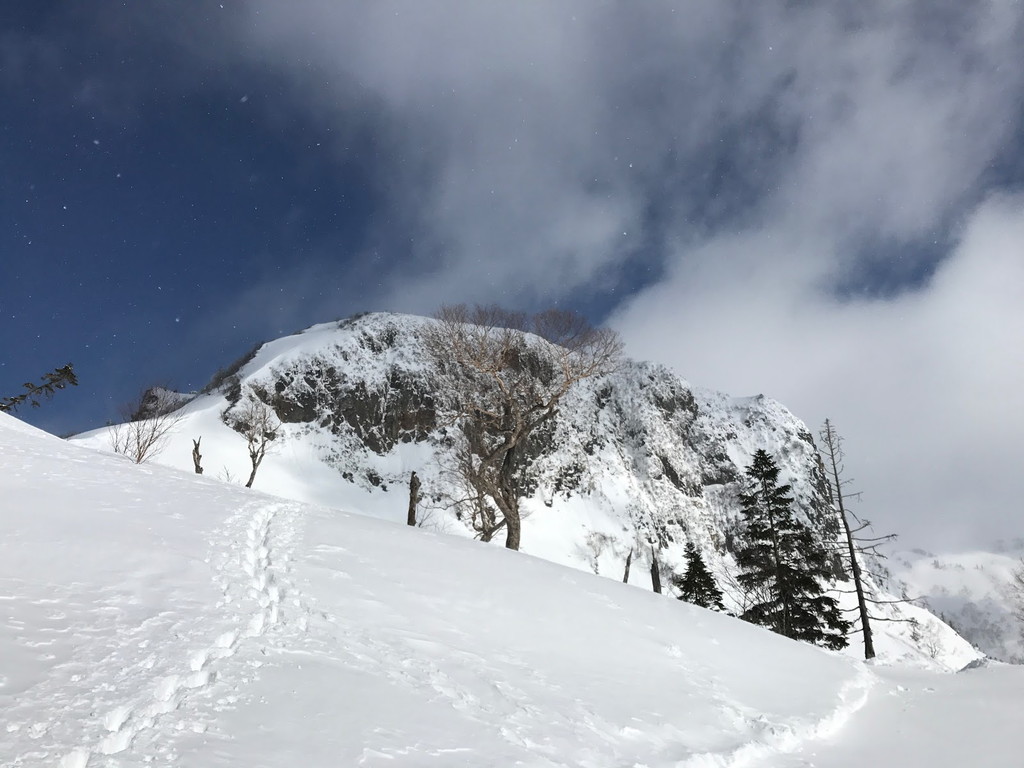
(147, 423)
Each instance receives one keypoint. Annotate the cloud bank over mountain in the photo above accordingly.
(810, 198)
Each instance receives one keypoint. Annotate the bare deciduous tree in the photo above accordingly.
(506, 384)
(856, 545)
(257, 423)
(146, 424)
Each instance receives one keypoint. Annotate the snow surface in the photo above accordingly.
(154, 617)
(618, 436)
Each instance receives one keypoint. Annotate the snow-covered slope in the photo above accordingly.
(153, 617)
(634, 458)
(972, 591)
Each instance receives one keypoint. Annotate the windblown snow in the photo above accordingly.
(154, 617)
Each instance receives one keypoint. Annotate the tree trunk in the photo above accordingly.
(508, 492)
(414, 497)
(513, 523)
(629, 560)
(783, 626)
(255, 457)
(197, 457)
(655, 572)
(858, 581)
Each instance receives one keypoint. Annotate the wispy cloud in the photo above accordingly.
(927, 387)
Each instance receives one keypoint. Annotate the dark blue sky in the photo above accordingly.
(128, 215)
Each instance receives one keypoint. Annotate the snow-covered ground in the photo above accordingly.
(153, 617)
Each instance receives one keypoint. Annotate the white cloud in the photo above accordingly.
(519, 141)
(927, 387)
(528, 150)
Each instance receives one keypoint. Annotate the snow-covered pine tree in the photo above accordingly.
(697, 585)
(782, 564)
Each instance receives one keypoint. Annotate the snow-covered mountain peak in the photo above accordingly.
(636, 464)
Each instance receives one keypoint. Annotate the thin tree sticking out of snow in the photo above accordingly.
(197, 457)
(146, 425)
(856, 546)
(257, 423)
(414, 498)
(655, 571)
(833, 450)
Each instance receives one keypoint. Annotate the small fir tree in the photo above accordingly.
(782, 564)
(697, 585)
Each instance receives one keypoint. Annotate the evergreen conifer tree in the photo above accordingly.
(782, 564)
(697, 585)
(58, 378)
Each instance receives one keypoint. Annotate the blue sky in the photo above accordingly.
(792, 199)
(136, 205)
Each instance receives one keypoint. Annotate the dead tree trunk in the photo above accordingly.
(414, 497)
(629, 560)
(508, 497)
(197, 457)
(832, 445)
(655, 571)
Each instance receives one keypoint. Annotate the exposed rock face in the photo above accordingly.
(402, 411)
(640, 444)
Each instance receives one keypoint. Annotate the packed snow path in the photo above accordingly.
(127, 689)
(916, 718)
(151, 617)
